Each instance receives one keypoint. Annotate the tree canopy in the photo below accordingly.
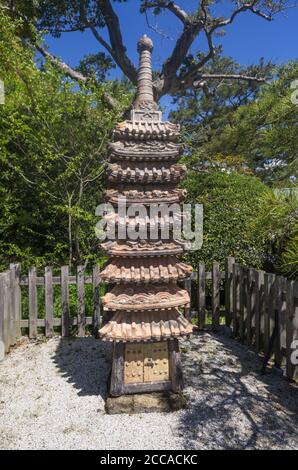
(181, 71)
(52, 155)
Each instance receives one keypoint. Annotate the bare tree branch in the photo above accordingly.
(220, 76)
(117, 45)
(70, 72)
(111, 102)
(171, 6)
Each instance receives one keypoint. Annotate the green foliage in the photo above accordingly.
(53, 139)
(205, 115)
(276, 223)
(289, 258)
(231, 201)
(264, 131)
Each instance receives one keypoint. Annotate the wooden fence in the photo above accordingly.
(260, 308)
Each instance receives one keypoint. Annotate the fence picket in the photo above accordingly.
(249, 306)
(259, 308)
(282, 319)
(2, 312)
(292, 329)
(16, 268)
(215, 295)
(96, 300)
(6, 312)
(65, 301)
(268, 301)
(236, 299)
(201, 292)
(49, 302)
(12, 307)
(229, 290)
(33, 313)
(243, 304)
(81, 301)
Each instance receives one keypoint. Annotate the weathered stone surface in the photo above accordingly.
(146, 403)
(145, 326)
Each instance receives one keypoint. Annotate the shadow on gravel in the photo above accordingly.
(232, 406)
(85, 363)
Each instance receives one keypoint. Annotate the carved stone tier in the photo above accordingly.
(142, 248)
(146, 131)
(139, 222)
(145, 326)
(147, 297)
(146, 270)
(146, 173)
(155, 196)
(141, 151)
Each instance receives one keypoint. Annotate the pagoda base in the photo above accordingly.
(157, 402)
(144, 367)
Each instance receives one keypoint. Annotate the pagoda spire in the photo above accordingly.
(144, 107)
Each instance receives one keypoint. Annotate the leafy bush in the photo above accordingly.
(231, 202)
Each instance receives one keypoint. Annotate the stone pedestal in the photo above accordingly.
(163, 402)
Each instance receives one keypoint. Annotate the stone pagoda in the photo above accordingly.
(145, 298)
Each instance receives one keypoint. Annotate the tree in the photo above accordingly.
(205, 116)
(264, 130)
(53, 141)
(181, 71)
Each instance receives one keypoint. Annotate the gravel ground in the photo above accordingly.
(52, 397)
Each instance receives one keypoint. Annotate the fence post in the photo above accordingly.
(215, 295)
(243, 302)
(65, 301)
(12, 307)
(259, 309)
(291, 328)
(16, 268)
(229, 280)
(269, 286)
(3, 338)
(96, 300)
(6, 311)
(49, 317)
(236, 299)
(33, 313)
(201, 292)
(81, 301)
(280, 312)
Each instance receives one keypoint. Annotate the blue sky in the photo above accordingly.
(249, 38)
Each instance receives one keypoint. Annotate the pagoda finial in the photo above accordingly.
(145, 107)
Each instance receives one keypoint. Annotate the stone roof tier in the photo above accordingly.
(147, 130)
(139, 248)
(156, 196)
(146, 297)
(160, 174)
(145, 270)
(145, 326)
(142, 151)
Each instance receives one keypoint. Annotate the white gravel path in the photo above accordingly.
(52, 397)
